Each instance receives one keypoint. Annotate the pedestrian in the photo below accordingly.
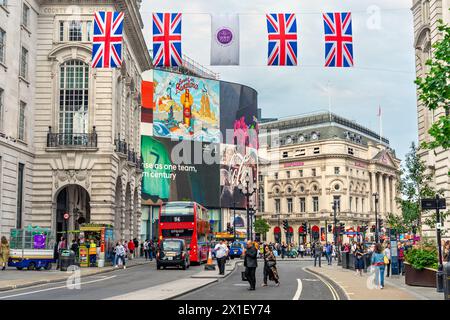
(329, 252)
(447, 251)
(221, 252)
(318, 251)
(120, 255)
(250, 264)
(131, 248)
(4, 252)
(270, 267)
(379, 265)
(301, 249)
(387, 253)
(283, 250)
(136, 248)
(400, 257)
(92, 253)
(152, 250)
(146, 249)
(75, 248)
(359, 259)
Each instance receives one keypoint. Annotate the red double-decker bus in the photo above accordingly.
(188, 221)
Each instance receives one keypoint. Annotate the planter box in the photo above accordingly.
(421, 278)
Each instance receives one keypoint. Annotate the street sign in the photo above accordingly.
(66, 216)
(429, 204)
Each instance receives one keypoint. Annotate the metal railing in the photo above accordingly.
(87, 140)
(131, 156)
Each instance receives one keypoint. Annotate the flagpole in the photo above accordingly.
(329, 98)
(381, 124)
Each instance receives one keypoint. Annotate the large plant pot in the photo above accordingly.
(420, 278)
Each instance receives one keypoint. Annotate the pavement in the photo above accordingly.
(12, 278)
(358, 287)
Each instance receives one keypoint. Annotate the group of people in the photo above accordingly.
(124, 251)
(251, 263)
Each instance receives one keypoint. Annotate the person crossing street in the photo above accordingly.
(318, 250)
(221, 252)
(250, 264)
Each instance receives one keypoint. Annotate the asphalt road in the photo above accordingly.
(295, 283)
(103, 285)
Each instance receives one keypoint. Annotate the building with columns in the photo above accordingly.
(427, 14)
(310, 162)
(18, 37)
(81, 142)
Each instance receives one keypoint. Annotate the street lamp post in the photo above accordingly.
(440, 272)
(245, 190)
(377, 237)
(338, 246)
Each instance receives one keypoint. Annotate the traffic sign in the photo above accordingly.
(66, 216)
(428, 204)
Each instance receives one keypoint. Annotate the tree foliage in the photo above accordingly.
(434, 90)
(261, 226)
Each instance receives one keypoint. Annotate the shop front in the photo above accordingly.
(96, 245)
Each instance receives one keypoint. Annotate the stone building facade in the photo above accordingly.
(427, 14)
(18, 37)
(86, 122)
(312, 161)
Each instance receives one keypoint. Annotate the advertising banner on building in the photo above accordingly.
(179, 171)
(186, 107)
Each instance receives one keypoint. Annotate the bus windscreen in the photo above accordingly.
(176, 209)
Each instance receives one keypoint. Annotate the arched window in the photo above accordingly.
(73, 97)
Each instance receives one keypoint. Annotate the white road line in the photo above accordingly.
(54, 288)
(299, 290)
(330, 287)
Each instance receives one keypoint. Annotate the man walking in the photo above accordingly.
(387, 253)
(146, 249)
(250, 264)
(318, 250)
(328, 253)
(221, 251)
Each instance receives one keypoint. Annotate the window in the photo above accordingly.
(89, 30)
(289, 205)
(75, 31)
(24, 63)
(277, 206)
(300, 152)
(350, 203)
(302, 189)
(336, 170)
(261, 199)
(3, 3)
(275, 175)
(302, 204)
(73, 97)
(2, 45)
(61, 31)
(350, 151)
(1, 109)
(285, 154)
(313, 172)
(20, 196)
(362, 204)
(356, 204)
(288, 174)
(315, 204)
(337, 202)
(25, 15)
(336, 187)
(260, 178)
(316, 150)
(22, 111)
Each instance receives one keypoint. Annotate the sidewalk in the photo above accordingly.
(176, 288)
(14, 279)
(356, 287)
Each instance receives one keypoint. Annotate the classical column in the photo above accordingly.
(373, 189)
(394, 194)
(380, 194)
(387, 188)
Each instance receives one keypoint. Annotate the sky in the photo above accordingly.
(383, 75)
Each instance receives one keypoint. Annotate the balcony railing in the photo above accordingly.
(123, 148)
(71, 140)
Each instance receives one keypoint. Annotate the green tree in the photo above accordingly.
(261, 226)
(434, 90)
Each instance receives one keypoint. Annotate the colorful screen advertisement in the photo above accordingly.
(186, 107)
(179, 171)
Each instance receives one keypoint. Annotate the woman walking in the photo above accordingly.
(4, 253)
(270, 269)
(378, 263)
(359, 259)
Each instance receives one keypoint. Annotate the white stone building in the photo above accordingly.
(87, 120)
(18, 38)
(317, 160)
(427, 14)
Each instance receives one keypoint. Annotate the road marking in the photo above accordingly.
(299, 290)
(330, 287)
(312, 280)
(240, 285)
(54, 288)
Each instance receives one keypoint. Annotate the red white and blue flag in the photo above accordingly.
(107, 39)
(282, 35)
(338, 39)
(167, 40)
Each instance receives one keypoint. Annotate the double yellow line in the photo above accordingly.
(332, 290)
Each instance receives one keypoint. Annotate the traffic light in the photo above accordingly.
(330, 228)
(380, 223)
(373, 228)
(229, 227)
(285, 225)
(305, 227)
(341, 228)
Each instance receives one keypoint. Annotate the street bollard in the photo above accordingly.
(447, 281)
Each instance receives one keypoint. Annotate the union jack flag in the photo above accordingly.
(282, 34)
(167, 39)
(107, 39)
(338, 39)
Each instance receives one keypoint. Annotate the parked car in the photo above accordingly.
(174, 253)
(236, 250)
